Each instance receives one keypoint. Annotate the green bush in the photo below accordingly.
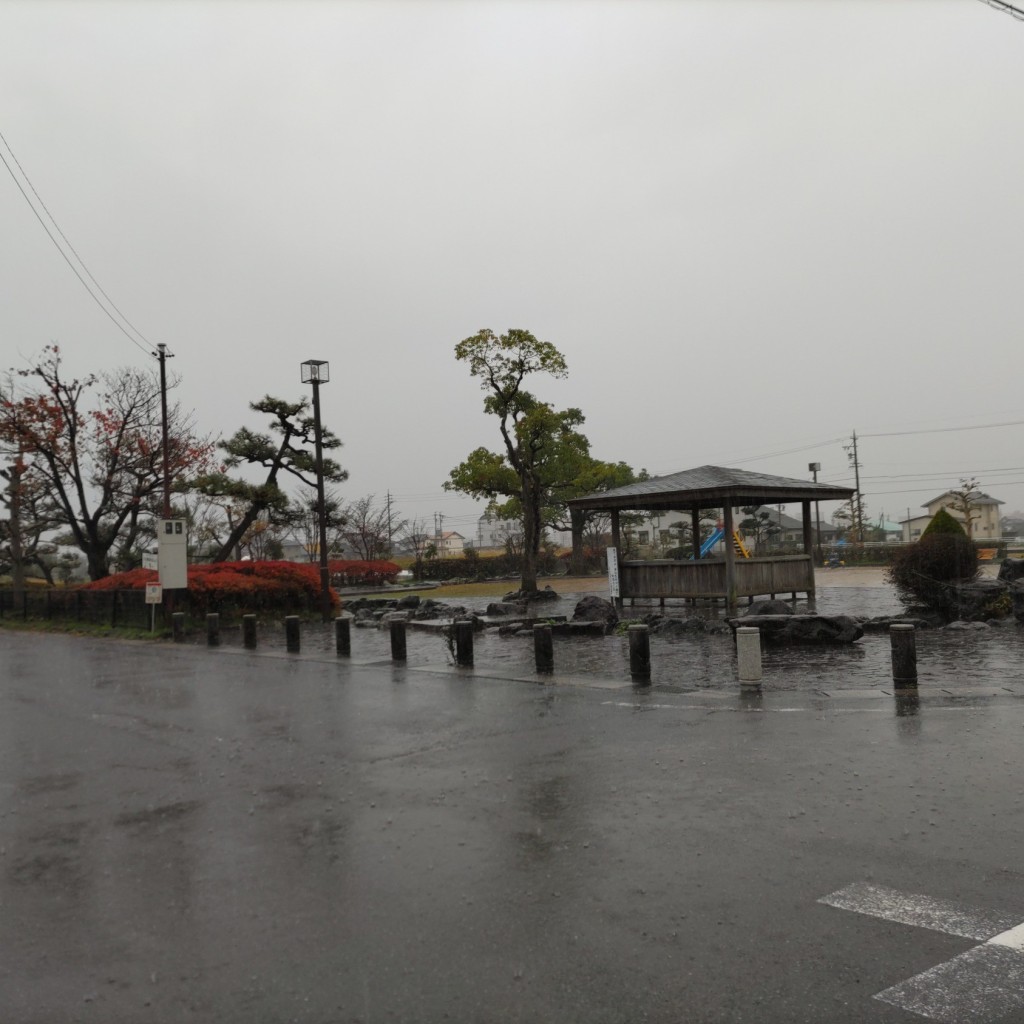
(943, 523)
(925, 572)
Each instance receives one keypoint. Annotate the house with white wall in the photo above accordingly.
(985, 524)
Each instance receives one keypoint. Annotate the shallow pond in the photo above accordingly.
(950, 658)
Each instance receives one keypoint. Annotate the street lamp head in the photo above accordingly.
(316, 371)
(814, 467)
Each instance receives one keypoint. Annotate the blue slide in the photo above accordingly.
(711, 541)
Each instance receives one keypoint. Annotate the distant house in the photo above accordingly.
(493, 533)
(449, 544)
(985, 517)
(791, 531)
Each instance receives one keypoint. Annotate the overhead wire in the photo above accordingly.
(67, 259)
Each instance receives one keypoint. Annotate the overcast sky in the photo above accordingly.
(751, 226)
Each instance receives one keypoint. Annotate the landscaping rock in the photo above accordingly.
(596, 609)
(980, 599)
(517, 596)
(803, 629)
(499, 608)
(1016, 592)
(769, 608)
(678, 627)
(964, 624)
(881, 623)
(409, 601)
(1011, 570)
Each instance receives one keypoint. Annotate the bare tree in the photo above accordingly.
(417, 538)
(369, 528)
(964, 500)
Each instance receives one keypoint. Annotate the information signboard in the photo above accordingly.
(613, 573)
(154, 593)
(172, 553)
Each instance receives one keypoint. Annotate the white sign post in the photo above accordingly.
(154, 596)
(613, 573)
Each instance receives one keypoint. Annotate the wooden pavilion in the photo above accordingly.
(727, 578)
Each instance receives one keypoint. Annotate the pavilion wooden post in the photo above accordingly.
(695, 531)
(730, 559)
(576, 562)
(617, 601)
(808, 543)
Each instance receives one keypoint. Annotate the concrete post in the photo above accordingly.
(212, 629)
(291, 633)
(343, 636)
(178, 627)
(748, 654)
(249, 631)
(464, 642)
(543, 649)
(640, 654)
(904, 654)
(397, 639)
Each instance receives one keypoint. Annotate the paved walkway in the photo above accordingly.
(197, 835)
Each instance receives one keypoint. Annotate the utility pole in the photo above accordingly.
(163, 355)
(814, 467)
(389, 523)
(858, 504)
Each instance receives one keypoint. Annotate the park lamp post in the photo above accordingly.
(815, 467)
(317, 372)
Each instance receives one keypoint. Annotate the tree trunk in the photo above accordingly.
(531, 538)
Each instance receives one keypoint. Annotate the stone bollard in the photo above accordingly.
(464, 642)
(543, 649)
(291, 633)
(178, 627)
(249, 631)
(640, 654)
(904, 654)
(343, 636)
(397, 639)
(212, 629)
(748, 655)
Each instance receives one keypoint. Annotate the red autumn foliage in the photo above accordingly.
(257, 585)
(251, 585)
(355, 571)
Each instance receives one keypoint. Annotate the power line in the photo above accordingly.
(947, 430)
(1001, 5)
(65, 256)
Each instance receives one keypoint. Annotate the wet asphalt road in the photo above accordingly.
(196, 835)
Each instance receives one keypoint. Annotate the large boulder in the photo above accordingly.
(1011, 570)
(803, 629)
(409, 601)
(596, 609)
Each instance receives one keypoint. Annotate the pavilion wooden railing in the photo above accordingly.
(705, 578)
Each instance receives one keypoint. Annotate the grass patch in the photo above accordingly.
(83, 629)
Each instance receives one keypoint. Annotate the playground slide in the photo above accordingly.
(711, 541)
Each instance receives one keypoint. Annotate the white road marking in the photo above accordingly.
(977, 987)
(981, 986)
(920, 911)
(1014, 938)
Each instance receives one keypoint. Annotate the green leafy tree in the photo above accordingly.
(287, 450)
(530, 430)
(758, 523)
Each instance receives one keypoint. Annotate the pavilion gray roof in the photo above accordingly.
(711, 487)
